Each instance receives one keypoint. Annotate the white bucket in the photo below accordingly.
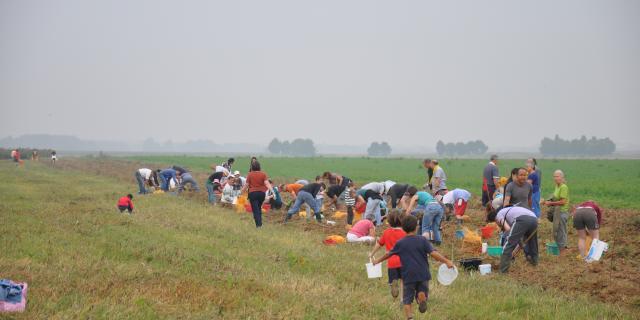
(446, 276)
(484, 269)
(596, 250)
(374, 271)
(484, 247)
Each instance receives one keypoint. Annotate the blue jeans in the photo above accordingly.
(188, 179)
(431, 220)
(164, 183)
(308, 199)
(256, 199)
(308, 209)
(140, 180)
(373, 209)
(210, 191)
(535, 206)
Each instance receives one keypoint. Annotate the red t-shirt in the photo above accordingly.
(125, 202)
(388, 240)
(255, 181)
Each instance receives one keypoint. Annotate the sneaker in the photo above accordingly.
(422, 306)
(395, 290)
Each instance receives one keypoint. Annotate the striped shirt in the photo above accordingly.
(348, 200)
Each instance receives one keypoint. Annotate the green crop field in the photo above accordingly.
(613, 183)
(177, 257)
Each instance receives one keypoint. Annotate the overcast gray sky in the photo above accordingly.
(339, 72)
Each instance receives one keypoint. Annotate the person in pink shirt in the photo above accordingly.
(363, 231)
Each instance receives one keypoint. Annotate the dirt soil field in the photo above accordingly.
(615, 279)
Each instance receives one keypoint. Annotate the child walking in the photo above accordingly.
(389, 239)
(413, 251)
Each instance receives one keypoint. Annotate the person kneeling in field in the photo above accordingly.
(363, 231)
(273, 198)
(521, 225)
(413, 250)
(389, 239)
(229, 192)
(125, 203)
(456, 199)
(214, 185)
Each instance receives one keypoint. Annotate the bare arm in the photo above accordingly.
(372, 232)
(435, 183)
(411, 204)
(383, 258)
(438, 257)
(375, 249)
(269, 186)
(560, 202)
(507, 200)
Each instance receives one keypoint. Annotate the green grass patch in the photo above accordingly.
(176, 258)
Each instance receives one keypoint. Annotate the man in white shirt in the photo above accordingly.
(144, 175)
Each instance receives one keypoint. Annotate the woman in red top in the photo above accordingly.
(257, 184)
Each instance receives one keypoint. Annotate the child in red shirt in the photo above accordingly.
(125, 203)
(388, 240)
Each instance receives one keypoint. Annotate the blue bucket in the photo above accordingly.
(459, 234)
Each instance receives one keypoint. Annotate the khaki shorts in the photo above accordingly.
(585, 218)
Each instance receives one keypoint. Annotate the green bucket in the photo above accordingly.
(494, 251)
(552, 248)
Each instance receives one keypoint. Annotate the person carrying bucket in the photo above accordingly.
(521, 225)
(388, 240)
(413, 251)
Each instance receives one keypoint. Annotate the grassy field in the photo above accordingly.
(613, 183)
(178, 258)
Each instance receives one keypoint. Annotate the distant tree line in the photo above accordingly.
(460, 148)
(577, 147)
(381, 149)
(297, 148)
